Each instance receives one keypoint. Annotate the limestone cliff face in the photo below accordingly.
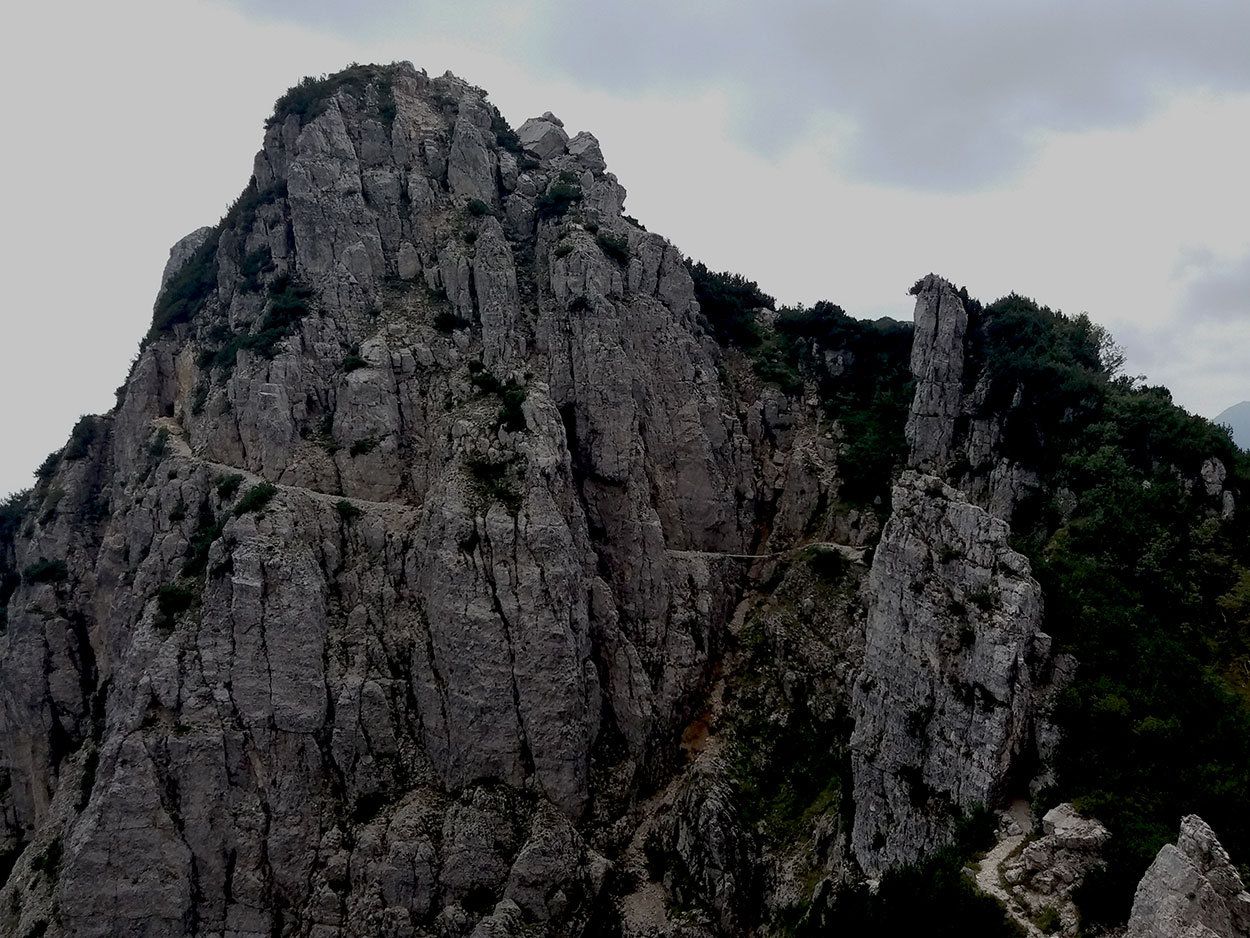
(1192, 890)
(947, 701)
(411, 517)
(950, 430)
(403, 591)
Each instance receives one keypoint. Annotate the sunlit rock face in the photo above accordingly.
(954, 674)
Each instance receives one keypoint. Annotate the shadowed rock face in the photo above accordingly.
(1192, 890)
(366, 700)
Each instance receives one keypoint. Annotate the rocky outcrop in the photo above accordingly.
(937, 362)
(544, 136)
(1191, 890)
(1035, 878)
(950, 430)
(952, 685)
(417, 503)
(181, 252)
(1069, 847)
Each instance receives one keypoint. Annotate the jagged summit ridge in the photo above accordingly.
(460, 560)
(420, 493)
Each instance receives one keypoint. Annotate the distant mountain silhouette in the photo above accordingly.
(1238, 417)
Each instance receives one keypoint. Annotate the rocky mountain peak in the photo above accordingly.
(937, 362)
(461, 560)
(1191, 889)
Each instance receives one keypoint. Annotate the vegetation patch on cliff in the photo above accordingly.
(309, 99)
(1145, 575)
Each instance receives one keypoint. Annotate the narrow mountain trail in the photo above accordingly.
(989, 878)
(854, 554)
(178, 443)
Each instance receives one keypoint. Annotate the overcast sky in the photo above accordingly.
(1091, 155)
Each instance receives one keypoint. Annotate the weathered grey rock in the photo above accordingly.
(954, 669)
(1213, 474)
(1053, 865)
(717, 853)
(949, 428)
(381, 700)
(472, 162)
(181, 252)
(1192, 890)
(543, 136)
(937, 362)
(584, 147)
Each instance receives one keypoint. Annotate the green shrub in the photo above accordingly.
(227, 485)
(51, 499)
(775, 364)
(729, 302)
(46, 571)
(656, 855)
(160, 440)
(477, 208)
(199, 397)
(560, 196)
(505, 136)
(511, 416)
(347, 511)
(493, 483)
(352, 361)
(47, 468)
(563, 249)
(447, 322)
(289, 302)
(81, 437)
(932, 898)
(254, 266)
(828, 565)
(483, 380)
(207, 530)
(12, 512)
(614, 246)
(363, 447)
(1047, 919)
(309, 99)
(256, 498)
(173, 599)
(48, 861)
(189, 288)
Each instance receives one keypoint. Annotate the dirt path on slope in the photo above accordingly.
(989, 877)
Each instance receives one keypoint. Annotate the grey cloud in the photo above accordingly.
(942, 96)
(1216, 290)
(372, 19)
